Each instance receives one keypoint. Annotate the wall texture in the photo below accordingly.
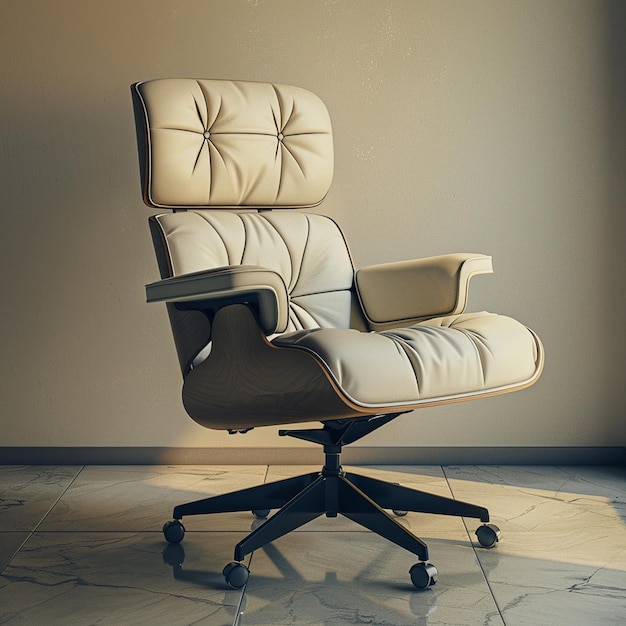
(488, 126)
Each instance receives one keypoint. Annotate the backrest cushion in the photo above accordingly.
(218, 143)
(308, 251)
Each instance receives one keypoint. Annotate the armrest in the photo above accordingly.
(405, 292)
(216, 288)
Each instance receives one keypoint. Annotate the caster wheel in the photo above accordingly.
(399, 512)
(173, 531)
(260, 513)
(423, 575)
(236, 574)
(488, 535)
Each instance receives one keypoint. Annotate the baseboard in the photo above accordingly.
(313, 456)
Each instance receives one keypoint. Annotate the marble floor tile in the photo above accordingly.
(577, 516)
(27, 493)
(531, 591)
(136, 498)
(358, 578)
(586, 480)
(119, 578)
(562, 558)
(97, 554)
(10, 543)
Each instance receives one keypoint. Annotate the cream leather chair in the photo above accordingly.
(273, 325)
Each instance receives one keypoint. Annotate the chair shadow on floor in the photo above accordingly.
(399, 603)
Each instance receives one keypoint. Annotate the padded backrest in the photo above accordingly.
(218, 143)
(307, 251)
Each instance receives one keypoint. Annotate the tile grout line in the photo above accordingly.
(30, 533)
(240, 604)
(469, 536)
(44, 517)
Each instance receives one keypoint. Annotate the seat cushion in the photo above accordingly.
(444, 358)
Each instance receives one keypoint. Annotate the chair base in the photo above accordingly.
(331, 492)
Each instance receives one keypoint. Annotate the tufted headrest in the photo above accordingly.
(228, 144)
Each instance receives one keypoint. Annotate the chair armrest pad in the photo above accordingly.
(405, 292)
(222, 286)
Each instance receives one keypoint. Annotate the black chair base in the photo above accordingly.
(329, 492)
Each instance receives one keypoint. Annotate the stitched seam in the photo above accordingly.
(164, 239)
(207, 127)
(209, 123)
(198, 107)
(403, 347)
(321, 293)
(295, 317)
(297, 272)
(472, 339)
(245, 239)
(195, 163)
(219, 234)
(279, 130)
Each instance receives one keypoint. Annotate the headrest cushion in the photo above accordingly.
(229, 144)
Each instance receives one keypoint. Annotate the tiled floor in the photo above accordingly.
(82, 545)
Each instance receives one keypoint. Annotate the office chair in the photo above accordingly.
(272, 324)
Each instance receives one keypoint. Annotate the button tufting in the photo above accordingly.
(280, 136)
(207, 134)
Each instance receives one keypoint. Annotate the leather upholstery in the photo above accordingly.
(284, 336)
(307, 251)
(215, 288)
(444, 359)
(233, 144)
(441, 359)
(402, 293)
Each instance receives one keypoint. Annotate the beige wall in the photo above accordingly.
(487, 126)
